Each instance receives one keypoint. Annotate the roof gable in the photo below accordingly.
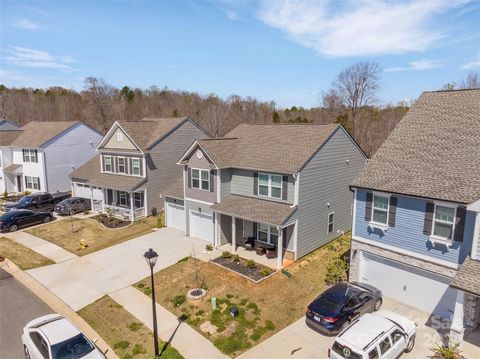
(37, 133)
(119, 140)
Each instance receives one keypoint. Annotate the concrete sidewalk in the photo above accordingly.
(41, 246)
(181, 336)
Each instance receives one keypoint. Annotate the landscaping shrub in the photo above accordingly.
(226, 254)
(209, 247)
(236, 342)
(123, 344)
(26, 193)
(147, 290)
(140, 285)
(265, 271)
(200, 313)
(251, 264)
(160, 220)
(5, 194)
(336, 271)
(135, 326)
(178, 300)
(236, 258)
(450, 351)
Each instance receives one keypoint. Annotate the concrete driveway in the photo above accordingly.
(82, 280)
(297, 341)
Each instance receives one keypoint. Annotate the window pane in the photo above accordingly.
(196, 183)
(195, 174)
(273, 239)
(276, 181)
(445, 213)
(274, 230)
(276, 192)
(205, 175)
(380, 216)
(330, 227)
(380, 202)
(262, 236)
(205, 185)
(373, 354)
(263, 190)
(385, 345)
(263, 179)
(443, 230)
(263, 227)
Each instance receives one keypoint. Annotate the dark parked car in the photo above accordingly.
(40, 201)
(337, 307)
(73, 205)
(13, 220)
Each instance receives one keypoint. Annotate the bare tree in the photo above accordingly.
(357, 86)
(471, 81)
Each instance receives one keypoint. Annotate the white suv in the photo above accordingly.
(380, 335)
(55, 337)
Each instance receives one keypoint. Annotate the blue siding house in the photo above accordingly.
(417, 211)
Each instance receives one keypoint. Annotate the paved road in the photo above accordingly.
(17, 307)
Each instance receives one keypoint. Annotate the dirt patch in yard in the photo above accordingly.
(264, 308)
(22, 256)
(128, 337)
(69, 232)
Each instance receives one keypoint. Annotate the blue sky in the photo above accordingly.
(284, 51)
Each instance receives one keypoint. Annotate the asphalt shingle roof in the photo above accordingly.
(468, 277)
(36, 133)
(276, 148)
(89, 173)
(433, 152)
(8, 136)
(254, 209)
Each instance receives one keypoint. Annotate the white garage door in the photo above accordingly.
(97, 194)
(176, 216)
(419, 288)
(82, 190)
(201, 226)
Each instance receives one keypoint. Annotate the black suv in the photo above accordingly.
(38, 202)
(337, 307)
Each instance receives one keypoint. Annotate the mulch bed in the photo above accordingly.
(111, 222)
(241, 267)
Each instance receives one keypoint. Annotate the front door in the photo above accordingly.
(19, 183)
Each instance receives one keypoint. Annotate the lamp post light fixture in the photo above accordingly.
(151, 258)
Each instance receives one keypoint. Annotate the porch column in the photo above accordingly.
(91, 198)
(280, 249)
(234, 235)
(457, 328)
(132, 207)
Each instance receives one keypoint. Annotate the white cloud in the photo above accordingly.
(36, 10)
(25, 57)
(356, 28)
(16, 79)
(24, 24)
(419, 65)
(474, 64)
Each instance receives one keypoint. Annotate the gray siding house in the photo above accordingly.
(135, 161)
(416, 222)
(284, 188)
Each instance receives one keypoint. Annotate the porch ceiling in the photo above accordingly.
(254, 209)
(468, 277)
(90, 174)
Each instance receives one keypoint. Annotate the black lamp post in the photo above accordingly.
(151, 258)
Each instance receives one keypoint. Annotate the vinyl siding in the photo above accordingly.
(408, 231)
(31, 169)
(162, 169)
(242, 184)
(326, 179)
(66, 152)
(195, 207)
(225, 179)
(204, 164)
(113, 142)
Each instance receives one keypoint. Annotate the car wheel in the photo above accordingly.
(13, 228)
(378, 304)
(26, 352)
(72, 212)
(344, 325)
(46, 219)
(410, 345)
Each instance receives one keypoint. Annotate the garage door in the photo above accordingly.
(422, 289)
(82, 190)
(201, 226)
(176, 216)
(97, 194)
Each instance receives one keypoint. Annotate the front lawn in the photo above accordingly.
(264, 308)
(69, 232)
(123, 332)
(22, 256)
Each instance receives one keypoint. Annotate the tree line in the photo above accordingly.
(351, 101)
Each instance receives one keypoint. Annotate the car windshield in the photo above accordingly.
(73, 348)
(66, 202)
(25, 200)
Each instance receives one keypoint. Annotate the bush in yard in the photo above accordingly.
(123, 344)
(160, 220)
(450, 351)
(265, 271)
(5, 194)
(236, 258)
(135, 326)
(251, 264)
(209, 247)
(147, 290)
(26, 193)
(178, 300)
(226, 254)
(336, 271)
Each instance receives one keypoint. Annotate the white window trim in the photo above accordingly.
(382, 226)
(124, 165)
(104, 164)
(328, 223)
(270, 175)
(30, 183)
(29, 155)
(269, 232)
(134, 167)
(437, 239)
(120, 196)
(200, 179)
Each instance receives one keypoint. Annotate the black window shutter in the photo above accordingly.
(284, 238)
(116, 164)
(128, 199)
(130, 166)
(460, 224)
(212, 180)
(103, 163)
(189, 177)
(427, 222)
(141, 166)
(285, 188)
(255, 230)
(109, 196)
(255, 183)
(368, 206)
(392, 212)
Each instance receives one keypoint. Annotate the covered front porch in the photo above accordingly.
(124, 204)
(256, 229)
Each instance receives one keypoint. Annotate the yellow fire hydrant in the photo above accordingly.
(83, 244)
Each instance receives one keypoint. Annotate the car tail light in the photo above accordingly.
(330, 319)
